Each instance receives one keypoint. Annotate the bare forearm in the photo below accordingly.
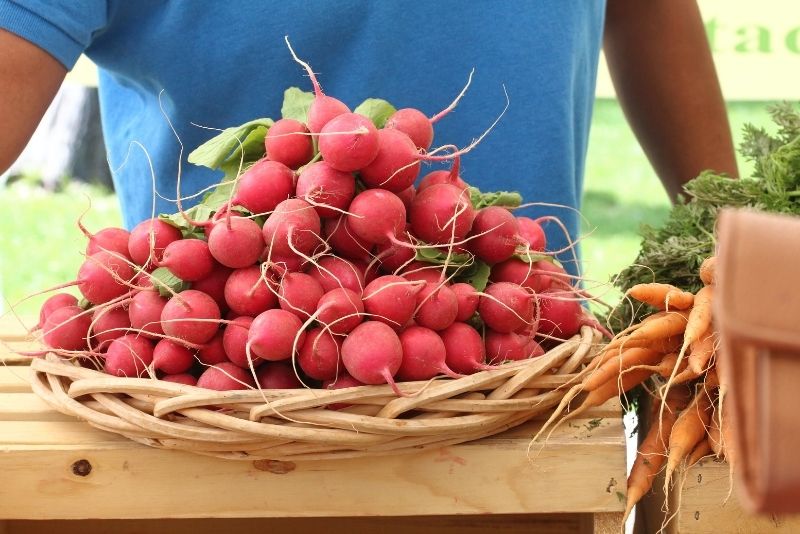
(29, 79)
(664, 75)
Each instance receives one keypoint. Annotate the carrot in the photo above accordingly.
(728, 447)
(661, 296)
(715, 438)
(701, 450)
(685, 375)
(663, 368)
(708, 270)
(668, 325)
(698, 321)
(615, 366)
(623, 336)
(701, 351)
(689, 429)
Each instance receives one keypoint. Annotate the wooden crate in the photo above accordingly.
(57, 469)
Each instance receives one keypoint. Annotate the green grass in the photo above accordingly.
(40, 245)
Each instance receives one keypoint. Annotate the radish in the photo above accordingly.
(507, 346)
(343, 380)
(552, 275)
(292, 229)
(370, 270)
(213, 285)
(183, 378)
(392, 300)
(234, 341)
(561, 313)
(281, 263)
(506, 307)
(112, 239)
(235, 242)
(414, 124)
(349, 142)
(67, 328)
(320, 355)
(263, 186)
(494, 235)
(129, 355)
(144, 313)
(464, 349)
(108, 324)
(247, 292)
(332, 272)
(419, 271)
(532, 232)
(377, 216)
(213, 351)
(393, 256)
(441, 213)
(191, 316)
(328, 190)
(372, 354)
(188, 259)
(104, 276)
(437, 306)
(468, 299)
(54, 302)
(343, 241)
(172, 358)
(527, 275)
(272, 335)
(148, 240)
(287, 141)
(450, 176)
(407, 196)
(277, 375)
(299, 293)
(423, 355)
(225, 377)
(396, 164)
(340, 310)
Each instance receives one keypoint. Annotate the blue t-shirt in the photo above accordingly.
(220, 64)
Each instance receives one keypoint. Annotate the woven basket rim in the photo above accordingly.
(296, 424)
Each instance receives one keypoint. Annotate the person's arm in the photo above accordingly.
(29, 80)
(664, 76)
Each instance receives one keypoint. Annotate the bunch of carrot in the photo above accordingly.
(673, 354)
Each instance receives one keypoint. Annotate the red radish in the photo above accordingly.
(213, 351)
(407, 196)
(372, 354)
(288, 142)
(450, 176)
(437, 306)
(225, 377)
(332, 272)
(376, 216)
(465, 353)
(419, 271)
(340, 310)
(183, 378)
(114, 240)
(285, 263)
(148, 240)
(294, 227)
(188, 259)
(393, 256)
(213, 285)
(506, 307)
(423, 355)
(328, 190)
(414, 124)
(145, 311)
(54, 302)
(107, 324)
(552, 275)
(234, 341)
(349, 142)
(172, 358)
(320, 355)
(494, 235)
(343, 380)
(247, 292)
(67, 328)
(396, 165)
(502, 347)
(129, 355)
(369, 270)
(392, 300)
(468, 299)
(299, 293)
(561, 313)
(104, 276)
(342, 240)
(272, 335)
(263, 186)
(277, 375)
(532, 232)
(191, 316)
(235, 242)
(528, 275)
(441, 213)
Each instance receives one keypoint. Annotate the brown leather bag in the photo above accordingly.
(757, 312)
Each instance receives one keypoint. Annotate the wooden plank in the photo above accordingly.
(493, 475)
(602, 523)
(54, 435)
(13, 328)
(15, 379)
(486, 524)
(28, 407)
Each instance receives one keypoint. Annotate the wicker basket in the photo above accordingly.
(295, 424)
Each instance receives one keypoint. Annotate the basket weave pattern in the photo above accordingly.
(295, 424)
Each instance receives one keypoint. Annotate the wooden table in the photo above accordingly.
(56, 468)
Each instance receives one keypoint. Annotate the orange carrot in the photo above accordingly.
(663, 368)
(689, 429)
(697, 322)
(701, 450)
(670, 324)
(707, 271)
(661, 296)
(715, 438)
(701, 351)
(614, 366)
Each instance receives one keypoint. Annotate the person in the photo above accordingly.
(220, 64)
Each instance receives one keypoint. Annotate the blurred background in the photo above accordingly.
(63, 172)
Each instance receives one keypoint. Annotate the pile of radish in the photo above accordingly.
(324, 259)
